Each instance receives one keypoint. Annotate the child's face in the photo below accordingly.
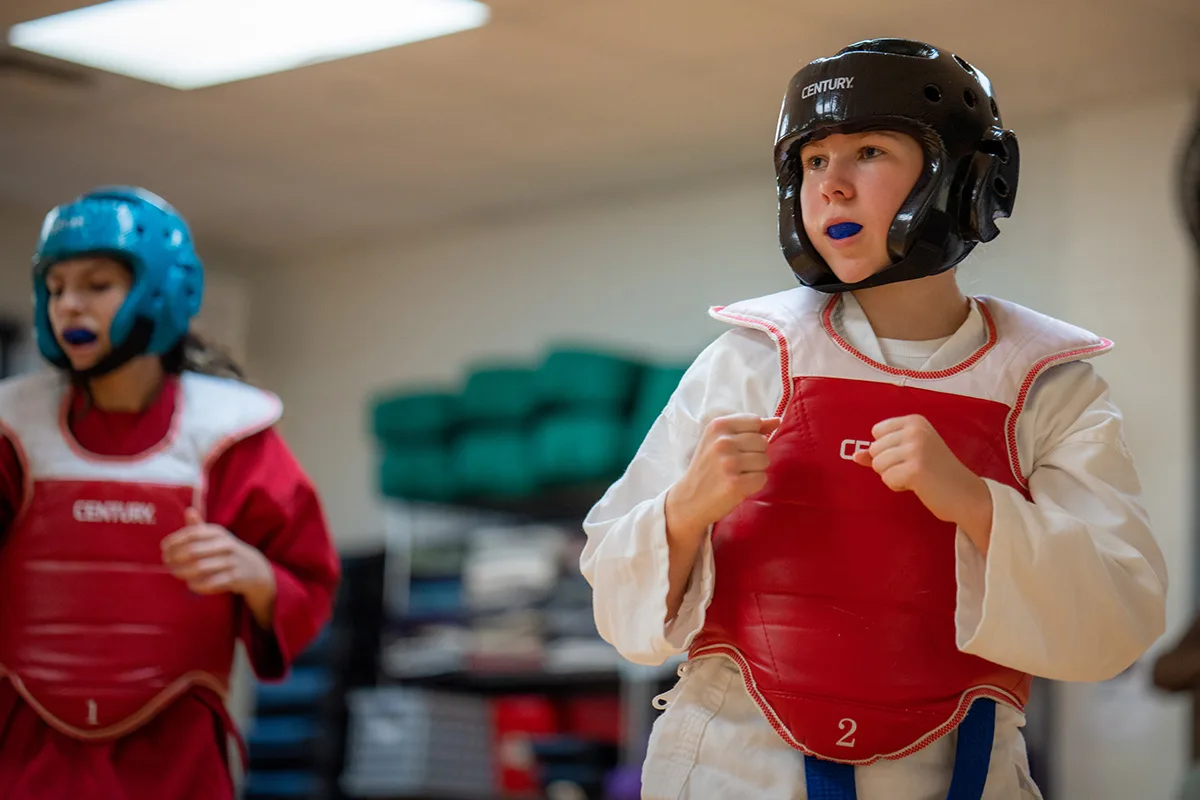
(85, 296)
(851, 180)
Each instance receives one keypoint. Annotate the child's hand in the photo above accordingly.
(910, 456)
(211, 560)
(730, 464)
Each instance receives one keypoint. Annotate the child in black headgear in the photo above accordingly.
(876, 508)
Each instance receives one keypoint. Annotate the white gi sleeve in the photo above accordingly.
(1074, 584)
(626, 557)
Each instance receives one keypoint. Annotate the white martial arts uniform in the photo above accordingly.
(1073, 587)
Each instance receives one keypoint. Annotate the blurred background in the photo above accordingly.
(474, 266)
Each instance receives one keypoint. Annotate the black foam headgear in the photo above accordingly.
(971, 160)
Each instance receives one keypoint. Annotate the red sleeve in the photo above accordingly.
(260, 492)
(12, 484)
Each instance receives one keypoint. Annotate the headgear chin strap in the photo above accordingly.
(133, 346)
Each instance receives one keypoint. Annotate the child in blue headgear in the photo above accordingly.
(876, 507)
(150, 516)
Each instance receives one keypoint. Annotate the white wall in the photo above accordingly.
(1097, 239)
(1129, 271)
(18, 235)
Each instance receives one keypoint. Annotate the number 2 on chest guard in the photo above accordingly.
(850, 726)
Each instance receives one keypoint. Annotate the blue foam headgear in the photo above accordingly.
(141, 230)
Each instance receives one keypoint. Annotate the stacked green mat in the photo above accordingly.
(515, 430)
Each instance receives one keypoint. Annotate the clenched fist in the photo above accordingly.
(729, 465)
(211, 560)
(910, 456)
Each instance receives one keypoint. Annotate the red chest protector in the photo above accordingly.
(836, 596)
(95, 633)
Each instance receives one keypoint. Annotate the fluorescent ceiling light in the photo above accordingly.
(188, 44)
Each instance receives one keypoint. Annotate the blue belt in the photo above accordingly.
(829, 780)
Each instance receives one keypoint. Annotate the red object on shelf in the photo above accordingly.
(593, 717)
(518, 720)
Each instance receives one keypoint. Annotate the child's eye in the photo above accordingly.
(814, 162)
(871, 152)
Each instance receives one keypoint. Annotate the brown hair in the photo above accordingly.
(194, 353)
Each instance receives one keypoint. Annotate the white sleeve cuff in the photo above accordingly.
(977, 590)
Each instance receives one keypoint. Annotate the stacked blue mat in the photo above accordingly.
(288, 740)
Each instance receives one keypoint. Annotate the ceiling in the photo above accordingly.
(551, 102)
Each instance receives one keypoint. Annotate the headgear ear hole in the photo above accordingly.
(996, 148)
